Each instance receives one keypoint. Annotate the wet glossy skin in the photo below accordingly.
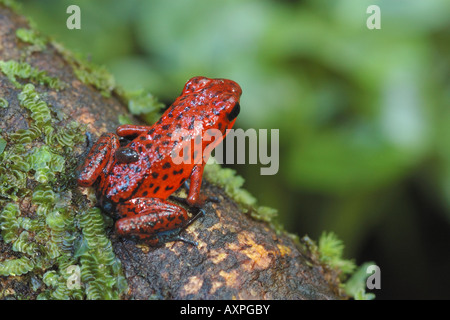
(134, 179)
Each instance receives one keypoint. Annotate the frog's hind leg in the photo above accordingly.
(154, 220)
(98, 159)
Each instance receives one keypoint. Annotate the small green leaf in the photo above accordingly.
(356, 285)
(331, 250)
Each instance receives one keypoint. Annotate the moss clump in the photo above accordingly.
(356, 285)
(99, 266)
(143, 104)
(12, 4)
(88, 72)
(13, 70)
(64, 254)
(40, 112)
(124, 119)
(31, 36)
(329, 251)
(96, 76)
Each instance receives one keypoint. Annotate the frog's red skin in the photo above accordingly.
(135, 180)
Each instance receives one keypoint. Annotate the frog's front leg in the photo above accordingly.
(194, 198)
(98, 160)
(152, 219)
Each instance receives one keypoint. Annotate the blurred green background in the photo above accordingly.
(363, 114)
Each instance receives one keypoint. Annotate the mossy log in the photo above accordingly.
(237, 257)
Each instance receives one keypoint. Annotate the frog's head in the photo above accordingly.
(202, 113)
(216, 99)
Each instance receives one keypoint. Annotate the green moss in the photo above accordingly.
(40, 112)
(99, 266)
(142, 103)
(97, 76)
(60, 284)
(331, 250)
(16, 267)
(356, 286)
(124, 119)
(88, 72)
(4, 103)
(45, 164)
(9, 222)
(53, 239)
(14, 5)
(32, 37)
(13, 70)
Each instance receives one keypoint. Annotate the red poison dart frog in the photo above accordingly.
(133, 171)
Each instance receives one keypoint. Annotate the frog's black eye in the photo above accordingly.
(234, 113)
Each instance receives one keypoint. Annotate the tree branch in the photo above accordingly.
(236, 257)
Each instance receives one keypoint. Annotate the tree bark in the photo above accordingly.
(236, 257)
